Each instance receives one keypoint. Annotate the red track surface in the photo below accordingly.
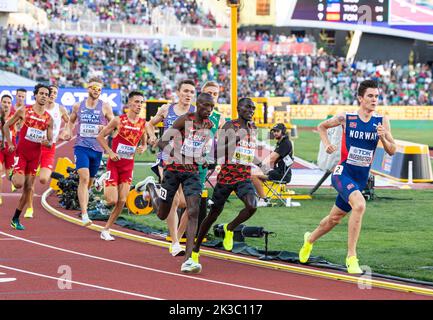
(406, 14)
(125, 269)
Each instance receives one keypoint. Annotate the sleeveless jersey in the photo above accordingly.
(237, 167)
(192, 144)
(359, 142)
(13, 130)
(128, 137)
(33, 131)
(89, 121)
(57, 120)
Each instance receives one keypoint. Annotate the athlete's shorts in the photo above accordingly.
(344, 185)
(28, 163)
(120, 172)
(47, 157)
(190, 181)
(223, 191)
(7, 158)
(87, 158)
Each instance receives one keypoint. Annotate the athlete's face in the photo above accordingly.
(21, 98)
(95, 91)
(186, 94)
(246, 109)
(53, 95)
(214, 92)
(42, 96)
(6, 104)
(370, 99)
(135, 104)
(205, 107)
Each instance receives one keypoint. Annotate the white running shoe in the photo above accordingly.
(142, 185)
(99, 183)
(176, 250)
(263, 202)
(105, 235)
(85, 219)
(189, 266)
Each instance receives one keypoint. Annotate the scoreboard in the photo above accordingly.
(348, 11)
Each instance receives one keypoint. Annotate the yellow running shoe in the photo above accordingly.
(353, 265)
(29, 213)
(195, 256)
(1, 200)
(38, 170)
(228, 239)
(13, 189)
(306, 249)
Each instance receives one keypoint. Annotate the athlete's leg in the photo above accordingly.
(169, 186)
(111, 194)
(184, 218)
(327, 223)
(122, 193)
(245, 191)
(83, 189)
(357, 202)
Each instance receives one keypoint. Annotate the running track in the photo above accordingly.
(124, 269)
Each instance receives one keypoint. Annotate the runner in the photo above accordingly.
(57, 113)
(191, 134)
(168, 114)
(37, 130)
(130, 131)
(92, 113)
(361, 132)
(238, 142)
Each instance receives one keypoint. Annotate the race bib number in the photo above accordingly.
(359, 157)
(35, 135)
(125, 152)
(338, 170)
(193, 146)
(163, 194)
(244, 153)
(89, 130)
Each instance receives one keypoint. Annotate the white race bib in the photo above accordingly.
(89, 130)
(35, 135)
(359, 157)
(193, 145)
(125, 152)
(244, 153)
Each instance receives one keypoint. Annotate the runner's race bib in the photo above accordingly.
(89, 130)
(193, 145)
(35, 135)
(244, 153)
(125, 152)
(359, 157)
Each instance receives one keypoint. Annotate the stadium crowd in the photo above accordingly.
(123, 64)
(137, 12)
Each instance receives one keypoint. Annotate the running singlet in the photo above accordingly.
(33, 131)
(13, 130)
(57, 120)
(168, 122)
(359, 143)
(237, 167)
(89, 121)
(193, 143)
(128, 137)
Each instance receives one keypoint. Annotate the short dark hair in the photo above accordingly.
(6, 96)
(21, 90)
(135, 93)
(203, 95)
(364, 85)
(244, 100)
(186, 81)
(40, 86)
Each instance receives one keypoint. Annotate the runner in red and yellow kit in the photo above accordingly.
(130, 132)
(37, 130)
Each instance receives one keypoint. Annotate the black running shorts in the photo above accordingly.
(223, 191)
(190, 181)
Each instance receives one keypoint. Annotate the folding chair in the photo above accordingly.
(275, 186)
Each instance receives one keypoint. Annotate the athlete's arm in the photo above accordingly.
(66, 134)
(322, 128)
(2, 122)
(225, 143)
(161, 114)
(112, 125)
(73, 117)
(48, 143)
(172, 132)
(384, 133)
(107, 111)
(18, 116)
(143, 142)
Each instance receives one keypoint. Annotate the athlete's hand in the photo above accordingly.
(11, 148)
(65, 135)
(330, 148)
(113, 156)
(47, 143)
(141, 149)
(381, 131)
(153, 141)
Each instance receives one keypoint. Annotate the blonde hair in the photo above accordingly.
(210, 84)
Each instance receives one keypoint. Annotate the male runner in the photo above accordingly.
(92, 113)
(7, 158)
(236, 147)
(57, 113)
(191, 134)
(37, 130)
(361, 132)
(130, 131)
(168, 114)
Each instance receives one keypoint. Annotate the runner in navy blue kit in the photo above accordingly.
(92, 113)
(361, 132)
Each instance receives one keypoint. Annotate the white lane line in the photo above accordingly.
(159, 271)
(80, 283)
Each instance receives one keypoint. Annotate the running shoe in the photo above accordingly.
(13, 189)
(15, 223)
(1, 200)
(263, 202)
(105, 235)
(99, 183)
(142, 185)
(353, 265)
(306, 249)
(228, 239)
(189, 266)
(85, 219)
(29, 213)
(176, 250)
